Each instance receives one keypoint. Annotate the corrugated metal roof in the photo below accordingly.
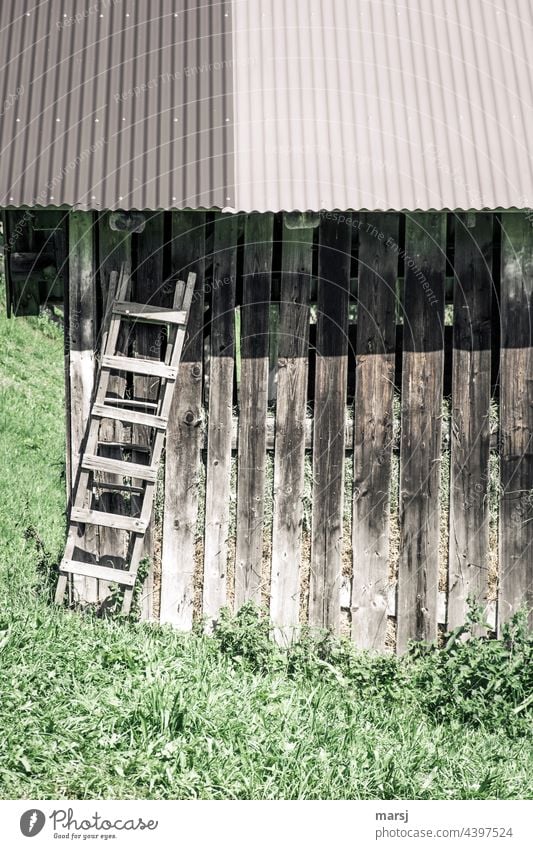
(383, 104)
(119, 104)
(267, 104)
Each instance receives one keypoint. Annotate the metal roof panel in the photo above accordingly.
(266, 105)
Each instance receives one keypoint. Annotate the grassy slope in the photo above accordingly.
(92, 709)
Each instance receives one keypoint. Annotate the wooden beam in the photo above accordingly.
(80, 345)
(95, 571)
(470, 423)
(422, 378)
(119, 467)
(374, 387)
(516, 418)
(149, 313)
(253, 407)
(185, 435)
(139, 365)
(222, 364)
(297, 261)
(328, 440)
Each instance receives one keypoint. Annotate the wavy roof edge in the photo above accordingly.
(353, 210)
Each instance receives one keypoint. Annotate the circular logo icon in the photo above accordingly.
(32, 822)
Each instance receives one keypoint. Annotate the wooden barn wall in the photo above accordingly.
(351, 439)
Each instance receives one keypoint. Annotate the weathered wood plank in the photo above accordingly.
(375, 364)
(109, 520)
(81, 346)
(328, 439)
(222, 361)
(470, 424)
(184, 435)
(132, 404)
(138, 365)
(297, 261)
(253, 406)
(68, 400)
(149, 289)
(119, 467)
(516, 417)
(148, 313)
(423, 367)
(105, 411)
(95, 571)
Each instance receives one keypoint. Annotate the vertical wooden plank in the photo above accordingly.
(222, 360)
(81, 368)
(114, 249)
(470, 427)
(5, 260)
(184, 434)
(423, 368)
(329, 421)
(297, 261)
(253, 406)
(516, 417)
(374, 393)
(68, 400)
(149, 289)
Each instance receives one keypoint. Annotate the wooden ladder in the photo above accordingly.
(119, 309)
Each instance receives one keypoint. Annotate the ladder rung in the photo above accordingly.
(119, 467)
(131, 402)
(93, 570)
(127, 446)
(149, 313)
(152, 368)
(117, 487)
(108, 520)
(133, 416)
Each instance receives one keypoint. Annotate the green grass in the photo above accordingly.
(99, 709)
